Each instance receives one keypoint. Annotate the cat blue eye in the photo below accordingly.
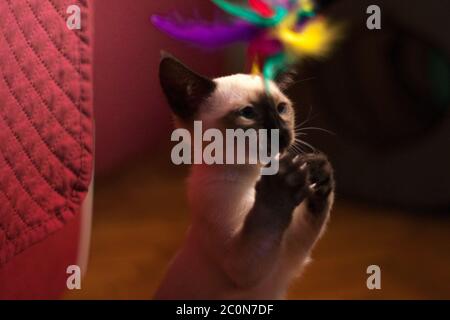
(248, 112)
(282, 108)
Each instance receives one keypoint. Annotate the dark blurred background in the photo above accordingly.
(384, 95)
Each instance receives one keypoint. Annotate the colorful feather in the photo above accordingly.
(264, 46)
(288, 4)
(279, 32)
(205, 34)
(262, 8)
(273, 66)
(316, 39)
(251, 16)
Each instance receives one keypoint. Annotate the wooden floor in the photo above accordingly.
(140, 219)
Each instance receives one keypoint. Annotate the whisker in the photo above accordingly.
(300, 150)
(304, 80)
(291, 148)
(306, 144)
(308, 118)
(318, 129)
(297, 149)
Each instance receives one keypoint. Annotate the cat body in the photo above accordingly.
(250, 234)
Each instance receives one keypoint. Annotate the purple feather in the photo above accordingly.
(211, 35)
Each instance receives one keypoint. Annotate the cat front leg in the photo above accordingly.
(311, 217)
(254, 252)
(320, 197)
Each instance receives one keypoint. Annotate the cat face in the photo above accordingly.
(233, 102)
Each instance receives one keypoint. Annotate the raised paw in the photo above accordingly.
(288, 188)
(321, 182)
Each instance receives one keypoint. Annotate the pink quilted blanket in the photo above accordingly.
(46, 142)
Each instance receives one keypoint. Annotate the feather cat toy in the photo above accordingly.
(278, 33)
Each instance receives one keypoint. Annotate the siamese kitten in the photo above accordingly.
(250, 234)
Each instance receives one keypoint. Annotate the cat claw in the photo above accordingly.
(313, 187)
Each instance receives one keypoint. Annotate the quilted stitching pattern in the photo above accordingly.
(45, 120)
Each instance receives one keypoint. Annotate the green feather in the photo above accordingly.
(273, 66)
(251, 16)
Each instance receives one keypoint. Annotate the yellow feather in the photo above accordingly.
(256, 70)
(316, 39)
(306, 5)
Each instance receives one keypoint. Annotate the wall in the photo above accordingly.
(131, 113)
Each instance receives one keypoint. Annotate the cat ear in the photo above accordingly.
(185, 90)
(286, 79)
